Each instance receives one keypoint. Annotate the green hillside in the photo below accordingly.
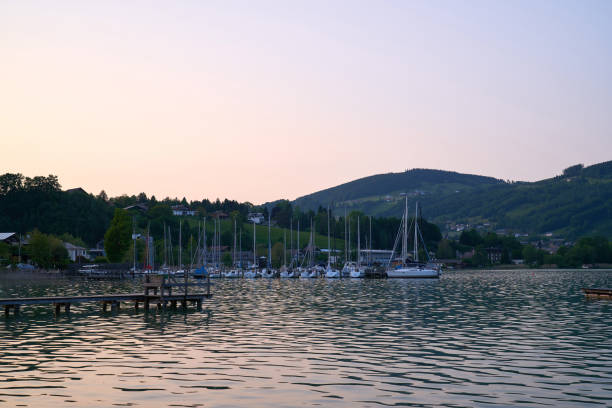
(577, 203)
(373, 190)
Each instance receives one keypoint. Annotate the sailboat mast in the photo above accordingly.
(348, 222)
(180, 243)
(416, 226)
(133, 237)
(370, 254)
(204, 246)
(311, 242)
(297, 257)
(328, 241)
(254, 243)
(291, 240)
(345, 243)
(269, 242)
(234, 242)
(285, 248)
(358, 243)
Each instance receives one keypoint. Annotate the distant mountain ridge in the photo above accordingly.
(578, 202)
(391, 183)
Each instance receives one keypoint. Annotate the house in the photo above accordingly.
(11, 238)
(138, 206)
(377, 256)
(75, 252)
(76, 190)
(257, 218)
(219, 214)
(494, 255)
(466, 255)
(244, 258)
(182, 211)
(96, 252)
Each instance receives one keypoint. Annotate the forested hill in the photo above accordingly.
(378, 187)
(576, 203)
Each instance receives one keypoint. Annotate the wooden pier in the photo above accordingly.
(598, 293)
(162, 297)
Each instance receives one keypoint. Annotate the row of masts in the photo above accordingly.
(212, 257)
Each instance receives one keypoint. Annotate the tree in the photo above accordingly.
(573, 170)
(10, 182)
(227, 259)
(102, 196)
(47, 251)
(5, 253)
(445, 250)
(470, 238)
(117, 239)
(277, 254)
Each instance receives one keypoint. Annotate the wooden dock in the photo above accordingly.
(598, 293)
(165, 298)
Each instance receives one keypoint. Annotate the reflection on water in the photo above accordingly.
(470, 339)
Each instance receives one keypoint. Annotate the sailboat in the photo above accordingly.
(234, 272)
(330, 273)
(284, 271)
(251, 273)
(201, 272)
(268, 272)
(358, 271)
(414, 269)
(309, 271)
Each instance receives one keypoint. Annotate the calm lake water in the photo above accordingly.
(473, 338)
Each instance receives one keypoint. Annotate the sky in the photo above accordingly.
(262, 100)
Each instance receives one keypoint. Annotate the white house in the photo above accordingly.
(257, 218)
(75, 251)
(378, 256)
(181, 210)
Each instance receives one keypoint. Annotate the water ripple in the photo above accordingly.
(473, 338)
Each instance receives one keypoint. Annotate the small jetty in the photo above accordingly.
(162, 297)
(598, 293)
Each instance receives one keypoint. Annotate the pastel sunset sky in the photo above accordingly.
(260, 100)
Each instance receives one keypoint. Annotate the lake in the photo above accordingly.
(473, 338)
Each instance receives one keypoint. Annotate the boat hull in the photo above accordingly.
(413, 273)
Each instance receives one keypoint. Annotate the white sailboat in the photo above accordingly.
(251, 273)
(310, 271)
(268, 272)
(358, 271)
(330, 273)
(414, 269)
(284, 271)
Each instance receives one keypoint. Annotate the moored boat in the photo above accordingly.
(412, 268)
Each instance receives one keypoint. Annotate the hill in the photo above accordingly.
(383, 187)
(576, 203)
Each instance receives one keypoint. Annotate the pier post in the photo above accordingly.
(173, 303)
(114, 306)
(57, 308)
(146, 304)
(136, 305)
(16, 307)
(67, 307)
(199, 304)
(103, 306)
(6, 310)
